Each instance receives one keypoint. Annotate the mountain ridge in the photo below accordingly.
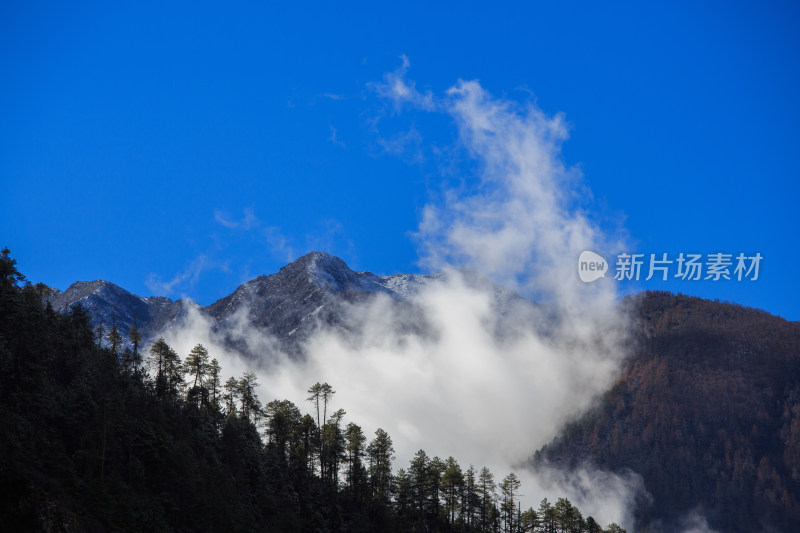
(109, 304)
(288, 304)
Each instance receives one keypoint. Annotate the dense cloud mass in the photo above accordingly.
(485, 383)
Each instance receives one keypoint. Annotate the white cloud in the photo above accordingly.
(334, 137)
(181, 281)
(695, 522)
(278, 244)
(605, 496)
(333, 96)
(248, 226)
(405, 144)
(460, 389)
(225, 220)
(398, 90)
(247, 222)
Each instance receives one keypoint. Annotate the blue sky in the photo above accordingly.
(184, 149)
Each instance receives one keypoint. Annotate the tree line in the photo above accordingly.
(98, 437)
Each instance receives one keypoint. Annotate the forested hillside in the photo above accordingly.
(108, 439)
(707, 411)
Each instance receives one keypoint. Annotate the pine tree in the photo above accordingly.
(547, 517)
(567, 516)
(486, 487)
(251, 407)
(196, 364)
(314, 397)
(418, 471)
(214, 371)
(9, 275)
(282, 428)
(333, 448)
(509, 488)
(529, 521)
(167, 366)
(381, 453)
(592, 526)
(355, 452)
(470, 500)
(231, 395)
(404, 501)
(452, 486)
(326, 393)
(114, 338)
(99, 334)
(436, 469)
(308, 432)
(315, 391)
(127, 360)
(136, 340)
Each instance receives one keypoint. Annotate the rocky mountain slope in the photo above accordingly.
(304, 294)
(108, 304)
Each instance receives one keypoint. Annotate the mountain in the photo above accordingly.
(707, 410)
(107, 304)
(310, 291)
(288, 305)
